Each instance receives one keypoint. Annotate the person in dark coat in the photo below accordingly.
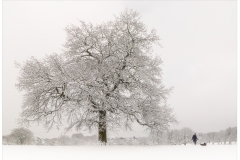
(194, 138)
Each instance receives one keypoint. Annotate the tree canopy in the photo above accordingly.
(106, 78)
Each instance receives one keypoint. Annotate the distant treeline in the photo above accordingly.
(184, 136)
(228, 135)
(23, 136)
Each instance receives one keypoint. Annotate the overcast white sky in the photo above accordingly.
(199, 40)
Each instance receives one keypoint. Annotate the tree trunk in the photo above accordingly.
(102, 127)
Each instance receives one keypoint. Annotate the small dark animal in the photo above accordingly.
(203, 144)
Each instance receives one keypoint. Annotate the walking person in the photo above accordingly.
(194, 138)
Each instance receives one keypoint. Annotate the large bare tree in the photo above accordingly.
(106, 78)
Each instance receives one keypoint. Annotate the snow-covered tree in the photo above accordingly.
(215, 137)
(155, 136)
(22, 136)
(220, 136)
(77, 136)
(64, 141)
(120, 141)
(39, 141)
(107, 78)
(91, 139)
(233, 136)
(8, 140)
(50, 142)
(200, 136)
(159, 137)
(144, 141)
(5, 140)
(227, 134)
(176, 137)
(212, 137)
(77, 139)
(170, 137)
(186, 135)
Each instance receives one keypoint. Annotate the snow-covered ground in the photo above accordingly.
(188, 152)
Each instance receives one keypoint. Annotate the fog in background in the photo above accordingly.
(199, 54)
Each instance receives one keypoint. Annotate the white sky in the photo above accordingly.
(199, 52)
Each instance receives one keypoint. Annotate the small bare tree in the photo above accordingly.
(22, 136)
(107, 78)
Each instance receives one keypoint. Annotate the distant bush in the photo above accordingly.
(19, 136)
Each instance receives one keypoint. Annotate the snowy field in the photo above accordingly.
(188, 152)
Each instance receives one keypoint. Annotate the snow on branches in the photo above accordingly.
(105, 78)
